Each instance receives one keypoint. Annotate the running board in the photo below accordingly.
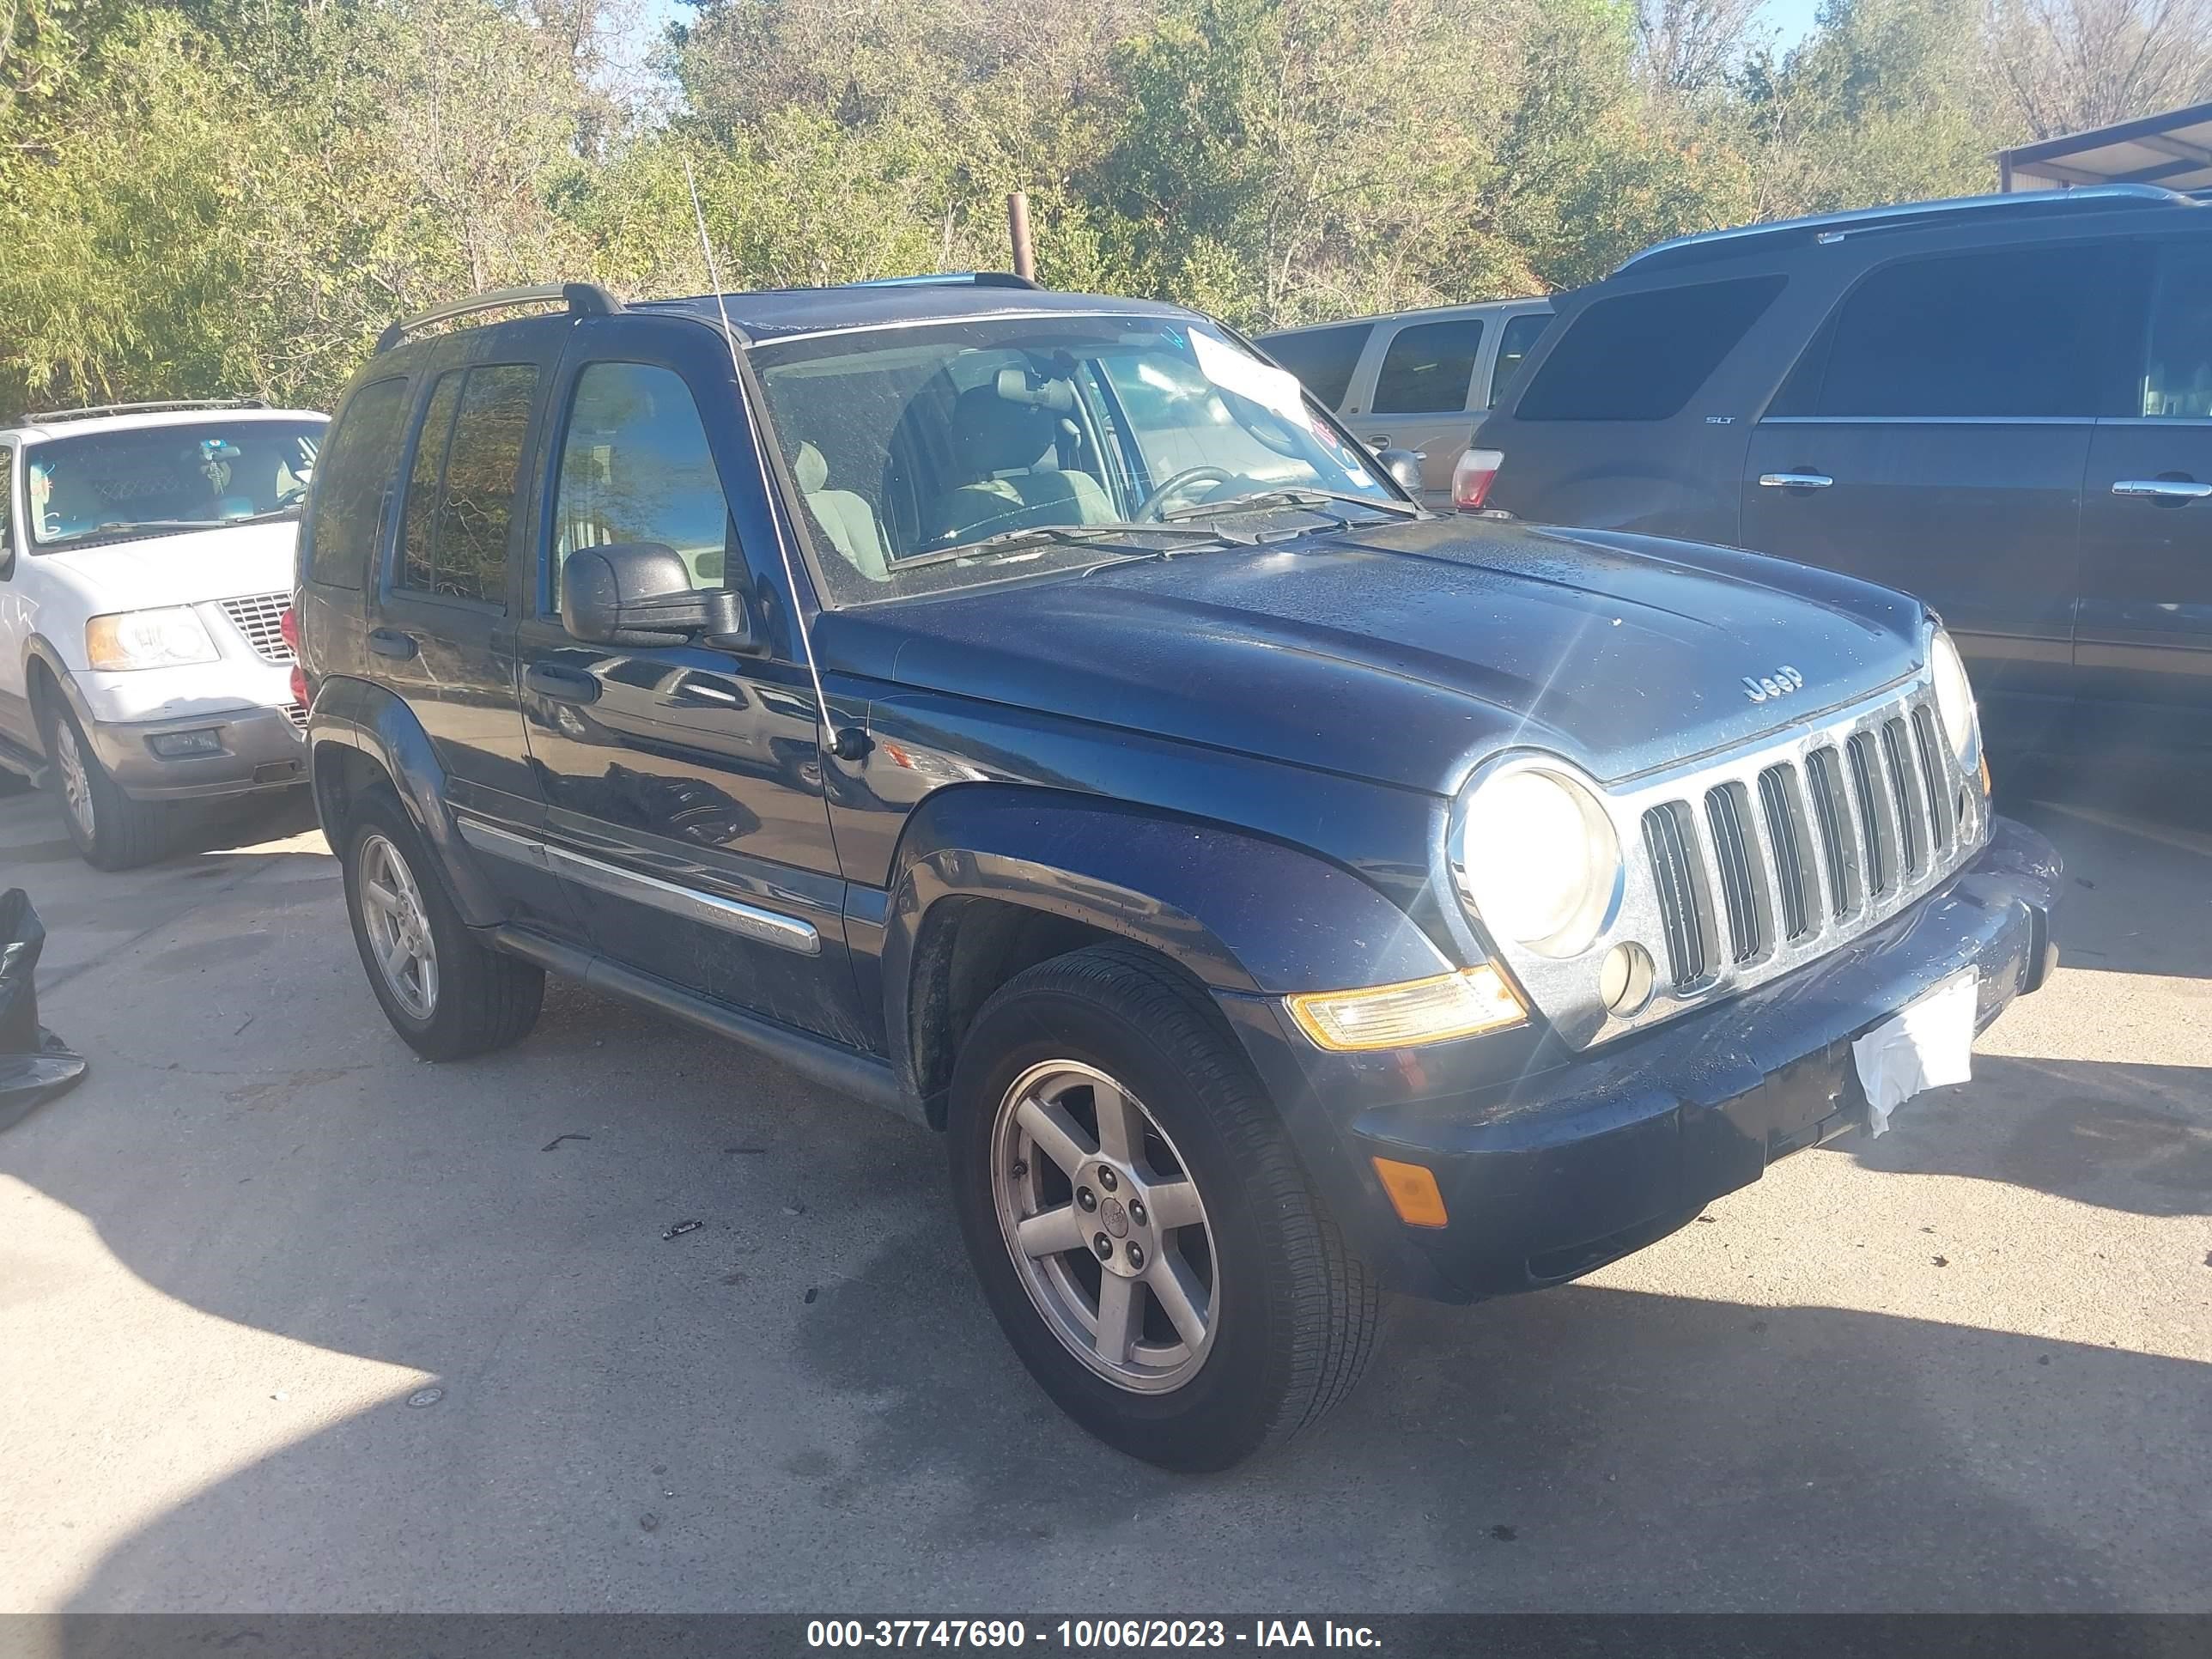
(30, 763)
(848, 1071)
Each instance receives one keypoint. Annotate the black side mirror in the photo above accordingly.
(641, 594)
(1404, 465)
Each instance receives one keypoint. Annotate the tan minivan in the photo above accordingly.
(1414, 379)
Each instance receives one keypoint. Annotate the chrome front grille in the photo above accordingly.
(297, 715)
(1883, 823)
(260, 619)
(1742, 867)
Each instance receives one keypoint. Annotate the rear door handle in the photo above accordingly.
(2174, 492)
(561, 683)
(390, 642)
(1794, 481)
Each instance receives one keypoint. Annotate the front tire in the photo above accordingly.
(447, 993)
(1141, 1229)
(110, 830)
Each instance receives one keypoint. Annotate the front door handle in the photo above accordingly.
(1794, 481)
(2167, 492)
(390, 642)
(560, 682)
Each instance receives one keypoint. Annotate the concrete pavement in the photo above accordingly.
(1967, 1366)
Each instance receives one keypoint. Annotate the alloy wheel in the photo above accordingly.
(398, 927)
(1105, 1225)
(76, 787)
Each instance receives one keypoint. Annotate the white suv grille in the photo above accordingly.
(259, 618)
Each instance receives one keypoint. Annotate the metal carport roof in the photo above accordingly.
(2173, 150)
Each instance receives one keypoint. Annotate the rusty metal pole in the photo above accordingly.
(1018, 227)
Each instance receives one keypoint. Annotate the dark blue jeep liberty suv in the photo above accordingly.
(1032, 712)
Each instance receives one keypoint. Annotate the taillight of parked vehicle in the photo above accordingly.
(1472, 476)
(289, 626)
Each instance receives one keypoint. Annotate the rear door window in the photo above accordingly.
(2015, 332)
(357, 465)
(1643, 356)
(1428, 368)
(1515, 342)
(462, 490)
(1322, 358)
(2176, 382)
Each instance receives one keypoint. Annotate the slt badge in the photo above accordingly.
(1784, 679)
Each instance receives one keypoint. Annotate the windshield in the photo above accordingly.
(948, 454)
(150, 480)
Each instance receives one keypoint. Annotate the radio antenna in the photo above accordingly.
(850, 743)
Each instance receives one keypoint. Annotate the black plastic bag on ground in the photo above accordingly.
(34, 1066)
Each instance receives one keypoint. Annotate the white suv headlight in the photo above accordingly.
(167, 638)
(1534, 853)
(1955, 696)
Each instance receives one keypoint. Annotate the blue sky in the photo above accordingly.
(1791, 19)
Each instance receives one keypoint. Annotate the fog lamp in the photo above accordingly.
(181, 745)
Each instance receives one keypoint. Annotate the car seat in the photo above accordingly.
(1010, 451)
(846, 518)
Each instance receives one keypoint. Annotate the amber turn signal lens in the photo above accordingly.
(1985, 776)
(1412, 1190)
(1463, 1004)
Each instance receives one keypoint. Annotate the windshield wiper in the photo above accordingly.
(152, 523)
(1063, 535)
(1297, 495)
(290, 511)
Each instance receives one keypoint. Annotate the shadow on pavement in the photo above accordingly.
(2138, 851)
(805, 1403)
(2128, 1137)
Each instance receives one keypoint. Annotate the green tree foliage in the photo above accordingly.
(234, 195)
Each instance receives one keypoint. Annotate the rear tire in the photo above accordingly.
(110, 829)
(447, 993)
(1236, 1250)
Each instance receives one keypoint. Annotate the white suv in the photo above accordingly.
(146, 563)
(1415, 379)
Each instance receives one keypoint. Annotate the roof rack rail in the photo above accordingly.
(582, 299)
(94, 411)
(1834, 227)
(947, 278)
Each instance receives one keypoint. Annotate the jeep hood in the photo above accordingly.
(1406, 652)
(182, 568)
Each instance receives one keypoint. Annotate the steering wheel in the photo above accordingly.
(1175, 484)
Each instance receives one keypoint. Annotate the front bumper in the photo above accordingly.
(256, 749)
(1575, 1160)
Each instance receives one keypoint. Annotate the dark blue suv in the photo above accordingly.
(1030, 712)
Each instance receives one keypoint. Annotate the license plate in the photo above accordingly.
(1929, 1044)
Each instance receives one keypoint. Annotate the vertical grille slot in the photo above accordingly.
(1668, 836)
(1877, 836)
(1839, 841)
(1785, 807)
(1727, 811)
(1941, 831)
(1904, 790)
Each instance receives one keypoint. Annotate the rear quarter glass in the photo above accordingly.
(1643, 356)
(345, 505)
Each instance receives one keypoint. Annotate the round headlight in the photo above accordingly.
(1537, 858)
(1955, 696)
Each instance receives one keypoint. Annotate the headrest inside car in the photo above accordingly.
(997, 436)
